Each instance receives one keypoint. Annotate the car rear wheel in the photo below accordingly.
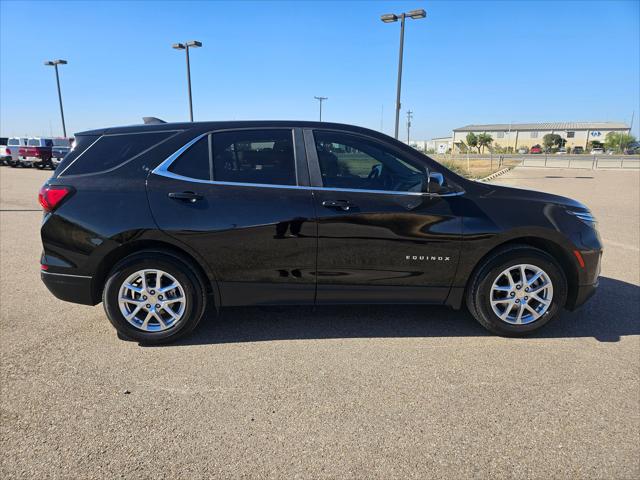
(517, 290)
(154, 297)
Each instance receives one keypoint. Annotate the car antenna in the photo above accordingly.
(152, 121)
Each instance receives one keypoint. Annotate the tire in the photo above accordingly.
(480, 291)
(175, 270)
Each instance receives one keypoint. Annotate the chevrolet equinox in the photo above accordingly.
(156, 221)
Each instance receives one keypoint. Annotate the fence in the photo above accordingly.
(494, 162)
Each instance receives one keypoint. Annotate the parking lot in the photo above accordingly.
(340, 392)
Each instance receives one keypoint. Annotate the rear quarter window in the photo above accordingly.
(109, 151)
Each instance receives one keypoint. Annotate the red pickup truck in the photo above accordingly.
(36, 153)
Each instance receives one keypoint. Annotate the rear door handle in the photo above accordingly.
(191, 197)
(338, 204)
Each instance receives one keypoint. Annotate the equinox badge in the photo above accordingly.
(427, 258)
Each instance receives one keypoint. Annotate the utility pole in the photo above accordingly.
(409, 118)
(321, 99)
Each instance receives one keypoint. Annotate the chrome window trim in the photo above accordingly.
(163, 170)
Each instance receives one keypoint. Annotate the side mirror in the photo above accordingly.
(434, 183)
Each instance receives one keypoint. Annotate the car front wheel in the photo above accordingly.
(517, 290)
(154, 298)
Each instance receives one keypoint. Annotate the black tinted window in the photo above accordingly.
(254, 156)
(113, 150)
(81, 144)
(194, 163)
(351, 161)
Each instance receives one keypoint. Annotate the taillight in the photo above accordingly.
(51, 196)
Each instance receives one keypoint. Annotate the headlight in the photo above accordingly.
(586, 217)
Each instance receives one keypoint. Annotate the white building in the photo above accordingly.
(437, 144)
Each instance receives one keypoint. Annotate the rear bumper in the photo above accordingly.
(70, 288)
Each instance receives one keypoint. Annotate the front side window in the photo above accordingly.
(354, 162)
(254, 156)
(33, 142)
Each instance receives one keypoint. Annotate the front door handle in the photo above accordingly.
(191, 197)
(338, 204)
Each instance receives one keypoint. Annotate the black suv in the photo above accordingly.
(157, 221)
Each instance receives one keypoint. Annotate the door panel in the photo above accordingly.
(242, 210)
(380, 239)
(404, 247)
(260, 241)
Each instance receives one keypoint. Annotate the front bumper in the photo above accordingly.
(70, 288)
(583, 293)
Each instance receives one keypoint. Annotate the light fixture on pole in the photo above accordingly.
(321, 99)
(54, 64)
(185, 46)
(390, 18)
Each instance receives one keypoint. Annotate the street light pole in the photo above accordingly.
(321, 99)
(399, 88)
(55, 64)
(185, 46)
(390, 18)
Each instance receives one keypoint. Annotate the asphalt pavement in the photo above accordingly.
(333, 392)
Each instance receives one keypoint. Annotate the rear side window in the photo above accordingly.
(80, 145)
(14, 141)
(194, 163)
(112, 151)
(254, 156)
(33, 142)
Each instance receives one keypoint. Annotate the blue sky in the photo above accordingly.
(467, 62)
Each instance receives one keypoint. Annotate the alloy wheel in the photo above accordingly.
(152, 300)
(521, 294)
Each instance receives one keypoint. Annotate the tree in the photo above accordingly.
(618, 141)
(484, 140)
(472, 141)
(552, 140)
